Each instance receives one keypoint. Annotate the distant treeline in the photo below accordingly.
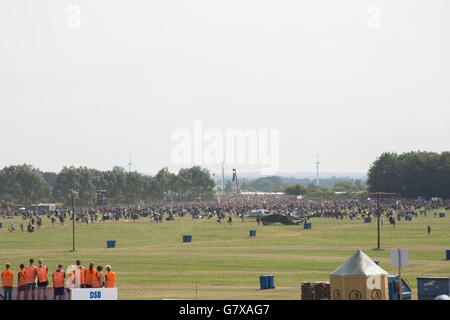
(293, 186)
(24, 184)
(411, 174)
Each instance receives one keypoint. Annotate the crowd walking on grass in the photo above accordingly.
(33, 279)
(391, 210)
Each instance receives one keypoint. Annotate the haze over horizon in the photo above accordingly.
(134, 72)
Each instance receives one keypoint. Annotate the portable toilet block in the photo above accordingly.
(428, 288)
(395, 295)
(359, 278)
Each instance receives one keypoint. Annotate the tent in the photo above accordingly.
(281, 218)
(359, 278)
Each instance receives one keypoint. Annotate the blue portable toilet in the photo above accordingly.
(447, 254)
(429, 288)
(263, 282)
(111, 243)
(266, 282)
(252, 233)
(406, 290)
(270, 281)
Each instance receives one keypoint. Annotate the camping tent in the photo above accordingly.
(359, 278)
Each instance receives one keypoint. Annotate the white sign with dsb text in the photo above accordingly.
(93, 294)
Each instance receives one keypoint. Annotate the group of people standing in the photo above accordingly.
(79, 277)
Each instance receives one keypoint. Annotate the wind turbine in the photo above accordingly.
(317, 175)
(130, 164)
(223, 176)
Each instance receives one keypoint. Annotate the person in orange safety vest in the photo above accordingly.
(21, 282)
(30, 275)
(42, 275)
(7, 282)
(110, 278)
(90, 273)
(58, 282)
(98, 281)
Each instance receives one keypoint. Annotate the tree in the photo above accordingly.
(343, 186)
(67, 179)
(411, 174)
(23, 184)
(50, 178)
(118, 169)
(163, 180)
(228, 187)
(244, 187)
(196, 182)
(324, 188)
(266, 184)
(26, 184)
(295, 190)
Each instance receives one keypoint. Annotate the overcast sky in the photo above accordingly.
(345, 80)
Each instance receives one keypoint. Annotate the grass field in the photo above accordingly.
(152, 262)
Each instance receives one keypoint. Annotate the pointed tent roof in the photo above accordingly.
(359, 264)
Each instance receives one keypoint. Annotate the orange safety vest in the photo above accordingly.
(7, 278)
(110, 280)
(90, 277)
(30, 274)
(42, 274)
(96, 281)
(58, 279)
(22, 280)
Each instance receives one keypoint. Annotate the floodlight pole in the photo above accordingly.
(74, 196)
(223, 177)
(400, 284)
(73, 221)
(378, 220)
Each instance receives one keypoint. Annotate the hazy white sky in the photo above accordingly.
(345, 80)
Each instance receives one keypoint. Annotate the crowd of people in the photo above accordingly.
(237, 205)
(31, 278)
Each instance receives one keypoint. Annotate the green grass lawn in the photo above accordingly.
(152, 262)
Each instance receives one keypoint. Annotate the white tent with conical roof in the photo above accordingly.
(359, 278)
